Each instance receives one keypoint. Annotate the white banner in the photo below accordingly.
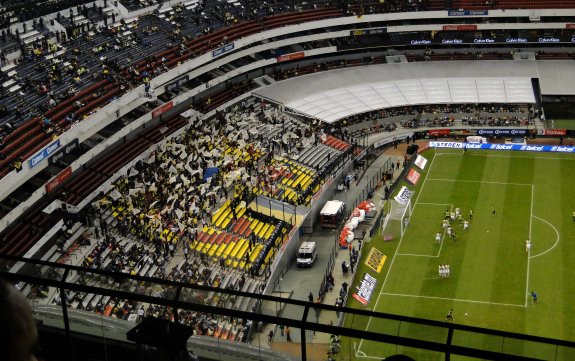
(421, 162)
(404, 195)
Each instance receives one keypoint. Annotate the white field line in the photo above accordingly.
(477, 181)
(529, 252)
(394, 256)
(453, 299)
(554, 244)
(442, 236)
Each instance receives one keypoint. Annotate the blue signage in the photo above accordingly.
(44, 153)
(502, 131)
(516, 147)
(468, 12)
(224, 49)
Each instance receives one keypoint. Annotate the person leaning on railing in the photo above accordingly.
(18, 334)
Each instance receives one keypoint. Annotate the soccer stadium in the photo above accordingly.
(287, 180)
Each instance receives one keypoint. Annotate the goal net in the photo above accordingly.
(399, 211)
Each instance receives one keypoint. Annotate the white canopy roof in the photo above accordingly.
(334, 104)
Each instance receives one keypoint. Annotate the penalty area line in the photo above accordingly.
(453, 299)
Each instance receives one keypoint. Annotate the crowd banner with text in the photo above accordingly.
(375, 259)
(404, 195)
(413, 176)
(421, 162)
(515, 147)
(365, 289)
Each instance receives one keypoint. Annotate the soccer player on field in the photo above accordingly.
(465, 224)
(449, 316)
(527, 246)
(470, 214)
(457, 211)
(533, 297)
(438, 237)
(493, 210)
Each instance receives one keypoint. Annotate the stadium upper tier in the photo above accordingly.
(67, 76)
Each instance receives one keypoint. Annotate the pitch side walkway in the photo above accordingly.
(297, 283)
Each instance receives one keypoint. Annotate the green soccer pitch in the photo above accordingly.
(491, 272)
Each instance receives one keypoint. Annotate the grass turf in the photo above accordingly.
(491, 273)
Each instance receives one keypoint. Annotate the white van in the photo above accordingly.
(306, 254)
(332, 214)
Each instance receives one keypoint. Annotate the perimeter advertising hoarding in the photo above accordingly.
(176, 84)
(513, 132)
(468, 13)
(556, 132)
(404, 195)
(439, 132)
(421, 162)
(162, 109)
(44, 153)
(373, 31)
(59, 179)
(375, 259)
(365, 289)
(69, 148)
(224, 49)
(292, 56)
(514, 147)
(413, 176)
(463, 27)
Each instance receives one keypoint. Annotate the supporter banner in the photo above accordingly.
(439, 132)
(365, 289)
(467, 12)
(421, 162)
(404, 195)
(44, 153)
(502, 131)
(373, 31)
(460, 27)
(69, 148)
(176, 84)
(224, 49)
(515, 147)
(413, 176)
(162, 109)
(559, 132)
(292, 56)
(59, 179)
(375, 259)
